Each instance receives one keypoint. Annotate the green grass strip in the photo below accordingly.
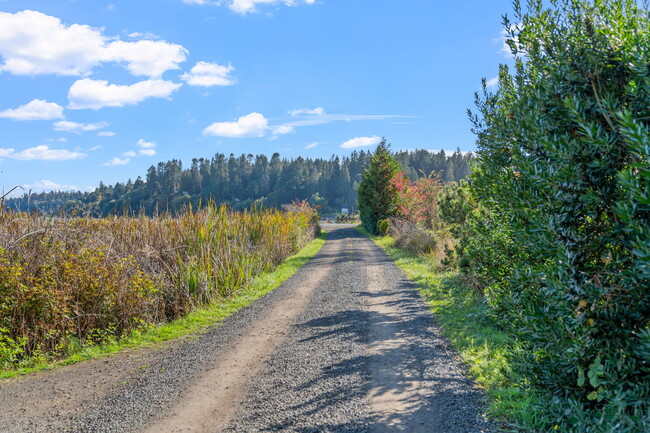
(194, 323)
(463, 317)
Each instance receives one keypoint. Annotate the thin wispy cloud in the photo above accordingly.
(319, 111)
(74, 127)
(318, 116)
(40, 153)
(247, 6)
(143, 148)
(257, 125)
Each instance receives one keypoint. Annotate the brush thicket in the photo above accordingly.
(67, 280)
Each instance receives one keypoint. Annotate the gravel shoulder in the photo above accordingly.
(344, 345)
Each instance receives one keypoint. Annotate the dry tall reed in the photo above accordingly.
(64, 280)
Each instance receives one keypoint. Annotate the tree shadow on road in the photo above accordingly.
(446, 399)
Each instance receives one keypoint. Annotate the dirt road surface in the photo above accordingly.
(345, 345)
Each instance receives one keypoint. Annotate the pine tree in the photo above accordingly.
(378, 197)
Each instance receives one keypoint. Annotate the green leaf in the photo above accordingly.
(581, 377)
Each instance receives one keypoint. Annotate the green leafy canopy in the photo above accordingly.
(561, 234)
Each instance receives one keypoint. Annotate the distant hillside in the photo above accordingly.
(241, 181)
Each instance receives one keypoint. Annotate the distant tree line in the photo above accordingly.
(241, 181)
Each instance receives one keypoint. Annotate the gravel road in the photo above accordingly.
(345, 345)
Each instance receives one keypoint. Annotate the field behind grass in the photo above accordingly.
(69, 283)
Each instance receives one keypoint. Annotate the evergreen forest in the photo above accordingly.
(241, 182)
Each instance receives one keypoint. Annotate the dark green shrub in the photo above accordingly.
(561, 232)
(377, 195)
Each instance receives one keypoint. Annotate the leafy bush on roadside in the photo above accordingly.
(560, 234)
(417, 226)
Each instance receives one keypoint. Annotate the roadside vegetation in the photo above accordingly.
(68, 283)
(551, 231)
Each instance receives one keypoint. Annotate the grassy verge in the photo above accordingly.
(463, 317)
(195, 322)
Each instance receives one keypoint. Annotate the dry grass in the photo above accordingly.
(65, 280)
(420, 240)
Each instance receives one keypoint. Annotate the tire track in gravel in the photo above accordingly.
(344, 345)
(364, 356)
(209, 403)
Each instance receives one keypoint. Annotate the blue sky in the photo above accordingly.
(96, 91)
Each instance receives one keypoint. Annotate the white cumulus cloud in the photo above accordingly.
(106, 133)
(207, 74)
(96, 94)
(361, 142)
(312, 145)
(68, 126)
(32, 43)
(116, 161)
(143, 144)
(146, 58)
(251, 125)
(41, 153)
(283, 130)
(506, 51)
(6, 152)
(37, 109)
(492, 83)
(146, 148)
